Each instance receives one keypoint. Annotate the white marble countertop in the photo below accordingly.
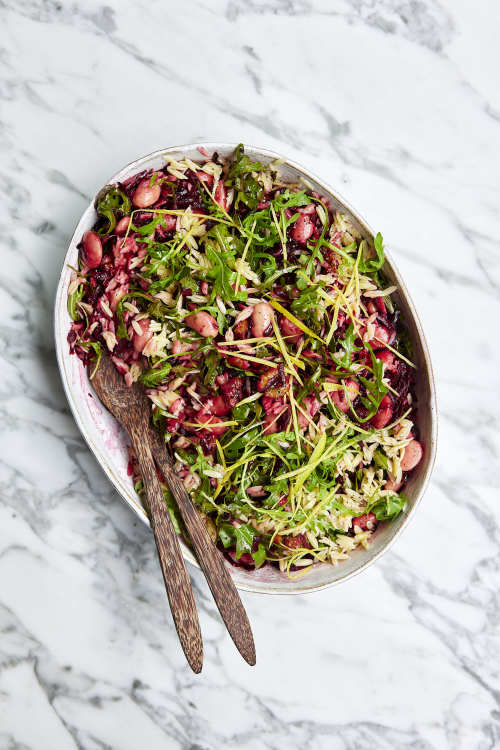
(397, 104)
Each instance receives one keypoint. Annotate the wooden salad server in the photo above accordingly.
(132, 408)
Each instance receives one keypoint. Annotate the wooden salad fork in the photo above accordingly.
(132, 408)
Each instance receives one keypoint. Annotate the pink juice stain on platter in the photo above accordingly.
(114, 438)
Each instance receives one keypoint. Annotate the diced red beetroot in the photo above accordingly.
(388, 358)
(290, 331)
(115, 296)
(343, 400)
(242, 364)
(384, 414)
(169, 222)
(296, 542)
(232, 390)
(123, 249)
(311, 405)
(376, 305)
(130, 468)
(336, 239)
(412, 455)
(92, 249)
(172, 425)
(272, 405)
(177, 407)
(308, 210)
(245, 561)
(363, 521)
(302, 420)
(303, 229)
(211, 424)
(220, 194)
(270, 424)
(140, 340)
(311, 355)
(204, 287)
(382, 337)
(206, 178)
(283, 500)
(120, 365)
(220, 406)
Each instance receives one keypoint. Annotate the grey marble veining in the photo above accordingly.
(397, 104)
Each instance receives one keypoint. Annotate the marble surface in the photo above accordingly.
(396, 103)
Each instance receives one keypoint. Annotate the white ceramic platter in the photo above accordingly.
(108, 442)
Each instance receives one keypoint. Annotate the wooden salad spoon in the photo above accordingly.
(132, 408)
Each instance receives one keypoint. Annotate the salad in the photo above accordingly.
(267, 338)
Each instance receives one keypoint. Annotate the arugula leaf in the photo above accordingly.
(155, 376)
(242, 412)
(243, 539)
(96, 346)
(388, 508)
(290, 199)
(369, 265)
(305, 302)
(309, 384)
(220, 273)
(247, 189)
(173, 510)
(260, 228)
(405, 344)
(381, 460)
(210, 362)
(375, 389)
(148, 229)
(235, 450)
(111, 200)
(259, 556)
(73, 301)
(241, 164)
(275, 490)
(349, 348)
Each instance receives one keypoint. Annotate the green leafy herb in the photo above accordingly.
(247, 189)
(110, 201)
(73, 301)
(242, 538)
(370, 264)
(388, 508)
(96, 346)
(375, 388)
(155, 375)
